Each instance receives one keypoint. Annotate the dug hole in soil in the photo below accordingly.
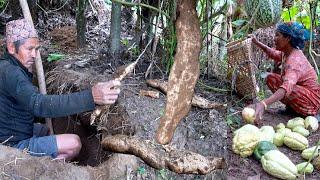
(203, 131)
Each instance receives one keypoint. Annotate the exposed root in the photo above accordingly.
(156, 156)
(153, 94)
(197, 101)
(101, 112)
(63, 81)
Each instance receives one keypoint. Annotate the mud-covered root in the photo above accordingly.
(153, 156)
(184, 162)
(101, 111)
(99, 116)
(197, 101)
(152, 94)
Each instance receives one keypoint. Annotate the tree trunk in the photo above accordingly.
(33, 10)
(81, 23)
(115, 29)
(185, 70)
(15, 9)
(222, 44)
(150, 28)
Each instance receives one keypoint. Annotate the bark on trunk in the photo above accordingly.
(184, 72)
(115, 27)
(81, 23)
(33, 10)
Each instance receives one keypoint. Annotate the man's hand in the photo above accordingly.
(106, 92)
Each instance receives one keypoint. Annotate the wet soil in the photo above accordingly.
(203, 131)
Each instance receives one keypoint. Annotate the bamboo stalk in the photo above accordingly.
(38, 61)
(142, 5)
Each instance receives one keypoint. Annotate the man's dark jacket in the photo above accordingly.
(20, 102)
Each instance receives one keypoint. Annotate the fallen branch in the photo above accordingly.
(197, 101)
(183, 162)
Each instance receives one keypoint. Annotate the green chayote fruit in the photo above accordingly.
(308, 169)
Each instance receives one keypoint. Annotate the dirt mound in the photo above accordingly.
(65, 37)
(18, 165)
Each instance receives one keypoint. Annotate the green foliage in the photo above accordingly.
(109, 2)
(233, 119)
(134, 49)
(209, 13)
(287, 14)
(141, 170)
(300, 12)
(169, 39)
(268, 13)
(2, 4)
(240, 32)
(296, 13)
(239, 22)
(125, 42)
(261, 94)
(55, 57)
(163, 174)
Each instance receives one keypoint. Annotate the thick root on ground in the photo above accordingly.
(156, 156)
(147, 151)
(197, 101)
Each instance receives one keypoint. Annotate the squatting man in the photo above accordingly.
(20, 100)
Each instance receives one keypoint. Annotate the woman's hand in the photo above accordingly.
(253, 38)
(259, 111)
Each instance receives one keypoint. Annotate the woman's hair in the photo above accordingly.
(296, 32)
(294, 42)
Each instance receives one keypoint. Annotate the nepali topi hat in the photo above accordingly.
(20, 29)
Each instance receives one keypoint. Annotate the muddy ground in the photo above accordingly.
(203, 131)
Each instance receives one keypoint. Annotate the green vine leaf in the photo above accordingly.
(239, 22)
(55, 57)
